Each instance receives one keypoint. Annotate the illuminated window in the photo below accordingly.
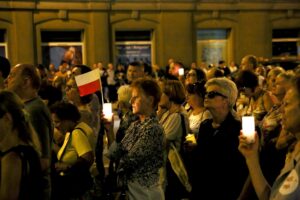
(212, 45)
(62, 46)
(131, 46)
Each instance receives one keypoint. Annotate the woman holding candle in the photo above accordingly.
(219, 170)
(141, 150)
(286, 185)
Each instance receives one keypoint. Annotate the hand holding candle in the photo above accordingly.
(248, 128)
(181, 71)
(107, 111)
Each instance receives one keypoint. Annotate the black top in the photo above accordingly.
(31, 176)
(219, 169)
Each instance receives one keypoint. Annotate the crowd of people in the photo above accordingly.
(52, 139)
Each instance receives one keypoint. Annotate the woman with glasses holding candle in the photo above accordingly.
(286, 186)
(219, 170)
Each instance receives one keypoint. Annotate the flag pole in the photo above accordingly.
(101, 89)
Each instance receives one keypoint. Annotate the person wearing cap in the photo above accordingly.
(219, 170)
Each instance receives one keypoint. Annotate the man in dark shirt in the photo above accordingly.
(24, 80)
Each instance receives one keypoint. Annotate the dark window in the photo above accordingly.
(286, 33)
(61, 36)
(284, 48)
(286, 42)
(122, 36)
(2, 35)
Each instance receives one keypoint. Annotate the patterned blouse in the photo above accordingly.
(256, 107)
(142, 151)
(271, 124)
(126, 120)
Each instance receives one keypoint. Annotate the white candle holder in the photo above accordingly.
(248, 127)
(107, 111)
(181, 71)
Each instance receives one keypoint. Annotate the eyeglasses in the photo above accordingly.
(213, 94)
(243, 88)
(190, 74)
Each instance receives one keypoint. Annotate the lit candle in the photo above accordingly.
(107, 111)
(181, 71)
(248, 127)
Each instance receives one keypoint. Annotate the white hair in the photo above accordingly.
(227, 88)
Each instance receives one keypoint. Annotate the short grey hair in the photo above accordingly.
(124, 93)
(227, 88)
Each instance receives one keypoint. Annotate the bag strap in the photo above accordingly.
(183, 131)
(79, 128)
(64, 150)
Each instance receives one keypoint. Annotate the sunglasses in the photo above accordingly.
(213, 94)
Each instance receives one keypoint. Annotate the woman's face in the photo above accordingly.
(193, 100)
(248, 92)
(271, 81)
(141, 103)
(191, 77)
(62, 125)
(72, 91)
(291, 111)
(280, 86)
(214, 100)
(164, 101)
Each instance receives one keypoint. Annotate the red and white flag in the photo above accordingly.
(89, 82)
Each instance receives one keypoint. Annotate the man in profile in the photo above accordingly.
(25, 81)
(249, 62)
(135, 70)
(4, 71)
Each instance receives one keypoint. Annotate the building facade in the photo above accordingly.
(35, 31)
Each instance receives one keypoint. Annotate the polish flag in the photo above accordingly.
(89, 82)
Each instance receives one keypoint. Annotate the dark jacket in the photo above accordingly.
(219, 170)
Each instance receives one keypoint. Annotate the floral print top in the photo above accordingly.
(271, 124)
(141, 151)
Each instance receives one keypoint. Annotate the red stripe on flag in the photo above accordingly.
(89, 88)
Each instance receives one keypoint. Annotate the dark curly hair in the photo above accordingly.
(66, 111)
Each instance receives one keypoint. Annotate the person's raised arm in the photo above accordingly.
(250, 152)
